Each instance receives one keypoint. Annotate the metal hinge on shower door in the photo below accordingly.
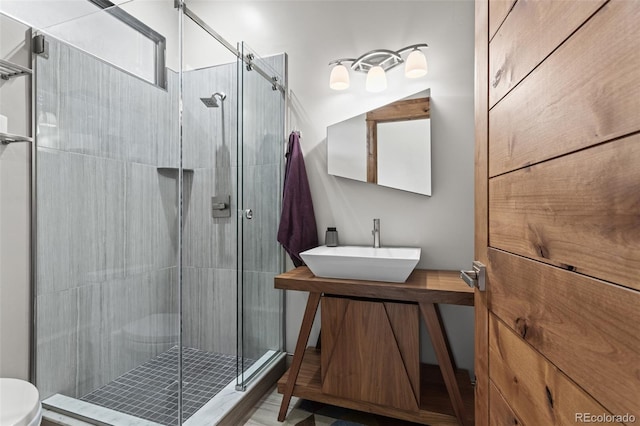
(40, 46)
(476, 278)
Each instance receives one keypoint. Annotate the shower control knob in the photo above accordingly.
(248, 213)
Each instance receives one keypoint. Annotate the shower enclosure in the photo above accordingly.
(157, 185)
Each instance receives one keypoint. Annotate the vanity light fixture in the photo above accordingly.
(376, 63)
(339, 79)
(376, 79)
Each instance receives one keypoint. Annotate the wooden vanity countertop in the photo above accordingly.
(423, 285)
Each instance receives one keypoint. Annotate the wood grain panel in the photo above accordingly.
(423, 285)
(359, 370)
(586, 327)
(538, 392)
(372, 152)
(332, 321)
(586, 92)
(501, 413)
(481, 358)
(435, 328)
(580, 212)
(435, 406)
(407, 334)
(498, 11)
(408, 109)
(509, 62)
(303, 337)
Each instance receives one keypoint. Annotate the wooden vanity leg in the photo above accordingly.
(440, 345)
(298, 354)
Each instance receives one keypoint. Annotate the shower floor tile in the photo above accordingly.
(150, 391)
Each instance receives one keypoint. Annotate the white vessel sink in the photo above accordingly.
(392, 264)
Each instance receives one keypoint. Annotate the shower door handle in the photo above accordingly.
(248, 213)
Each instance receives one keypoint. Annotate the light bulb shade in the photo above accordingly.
(416, 65)
(376, 79)
(339, 79)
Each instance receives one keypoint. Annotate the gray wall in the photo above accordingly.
(107, 220)
(209, 147)
(442, 225)
(15, 160)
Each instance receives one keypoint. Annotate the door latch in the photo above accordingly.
(476, 277)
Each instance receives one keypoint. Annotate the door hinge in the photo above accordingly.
(40, 46)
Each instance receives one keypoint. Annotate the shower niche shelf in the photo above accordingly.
(173, 170)
(7, 138)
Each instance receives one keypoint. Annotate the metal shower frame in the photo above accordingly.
(247, 59)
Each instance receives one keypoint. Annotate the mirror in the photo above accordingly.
(389, 146)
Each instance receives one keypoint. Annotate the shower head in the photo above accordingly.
(212, 102)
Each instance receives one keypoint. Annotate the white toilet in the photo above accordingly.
(19, 403)
(152, 334)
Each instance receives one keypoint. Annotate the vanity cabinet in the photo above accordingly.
(369, 356)
(370, 351)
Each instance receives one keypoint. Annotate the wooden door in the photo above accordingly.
(558, 211)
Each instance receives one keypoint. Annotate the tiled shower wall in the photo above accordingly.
(107, 217)
(210, 248)
(209, 148)
(107, 221)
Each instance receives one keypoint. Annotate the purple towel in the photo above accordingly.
(297, 231)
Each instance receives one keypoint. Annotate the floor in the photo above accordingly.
(308, 413)
(265, 413)
(150, 390)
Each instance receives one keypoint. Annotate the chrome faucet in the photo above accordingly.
(376, 233)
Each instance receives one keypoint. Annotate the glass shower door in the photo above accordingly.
(260, 167)
(106, 208)
(209, 290)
